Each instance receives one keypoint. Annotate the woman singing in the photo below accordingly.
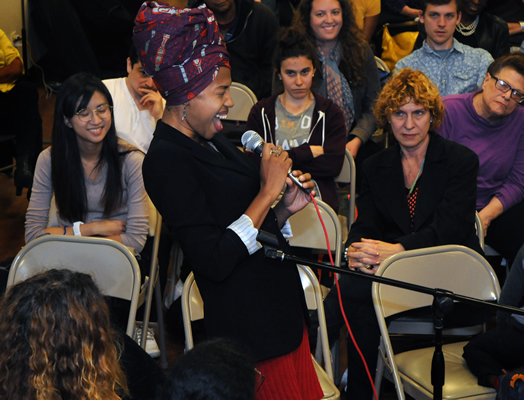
(215, 200)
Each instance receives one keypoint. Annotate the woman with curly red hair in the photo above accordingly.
(57, 341)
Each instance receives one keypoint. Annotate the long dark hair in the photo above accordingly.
(67, 172)
(352, 42)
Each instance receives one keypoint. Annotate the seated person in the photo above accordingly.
(349, 74)
(493, 355)
(60, 319)
(512, 12)
(367, 14)
(250, 30)
(491, 123)
(452, 66)
(96, 178)
(308, 126)
(137, 104)
(418, 193)
(217, 369)
(478, 28)
(400, 10)
(19, 112)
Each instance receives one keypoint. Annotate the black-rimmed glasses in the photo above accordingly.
(516, 95)
(103, 111)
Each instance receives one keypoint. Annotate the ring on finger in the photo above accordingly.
(275, 151)
(368, 266)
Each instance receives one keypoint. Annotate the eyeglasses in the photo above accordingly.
(504, 88)
(103, 111)
(259, 380)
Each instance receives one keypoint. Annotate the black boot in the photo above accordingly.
(23, 173)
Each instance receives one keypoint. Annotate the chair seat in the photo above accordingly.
(459, 381)
(328, 387)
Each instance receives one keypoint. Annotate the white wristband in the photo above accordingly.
(76, 228)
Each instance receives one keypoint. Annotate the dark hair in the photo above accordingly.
(352, 43)
(133, 56)
(67, 172)
(57, 341)
(292, 44)
(216, 369)
(514, 61)
(441, 3)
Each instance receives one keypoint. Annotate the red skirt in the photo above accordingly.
(291, 376)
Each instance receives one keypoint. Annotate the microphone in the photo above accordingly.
(252, 141)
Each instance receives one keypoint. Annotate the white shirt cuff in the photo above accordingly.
(245, 230)
(286, 230)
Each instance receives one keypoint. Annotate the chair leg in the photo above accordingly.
(161, 326)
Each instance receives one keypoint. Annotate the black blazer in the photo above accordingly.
(199, 193)
(445, 210)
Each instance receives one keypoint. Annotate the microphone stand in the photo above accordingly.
(442, 306)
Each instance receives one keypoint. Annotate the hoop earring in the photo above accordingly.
(184, 114)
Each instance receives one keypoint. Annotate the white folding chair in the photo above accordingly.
(307, 229)
(348, 176)
(244, 99)
(193, 310)
(152, 286)
(113, 267)
(454, 268)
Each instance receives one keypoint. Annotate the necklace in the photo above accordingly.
(468, 30)
(282, 100)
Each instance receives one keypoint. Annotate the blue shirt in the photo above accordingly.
(461, 71)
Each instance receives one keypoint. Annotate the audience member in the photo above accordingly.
(400, 10)
(481, 29)
(491, 123)
(512, 12)
(137, 104)
(418, 193)
(57, 341)
(452, 66)
(19, 112)
(349, 70)
(308, 126)
(225, 201)
(493, 355)
(60, 319)
(217, 370)
(367, 14)
(250, 29)
(95, 178)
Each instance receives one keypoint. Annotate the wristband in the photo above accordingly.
(76, 228)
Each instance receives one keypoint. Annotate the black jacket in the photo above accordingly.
(445, 210)
(250, 299)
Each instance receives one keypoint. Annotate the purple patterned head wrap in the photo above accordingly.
(180, 48)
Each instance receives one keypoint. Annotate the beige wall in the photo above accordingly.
(11, 16)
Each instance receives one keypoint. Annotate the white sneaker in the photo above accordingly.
(151, 346)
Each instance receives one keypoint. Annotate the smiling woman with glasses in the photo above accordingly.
(491, 123)
(95, 178)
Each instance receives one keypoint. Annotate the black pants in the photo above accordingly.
(506, 232)
(358, 306)
(500, 348)
(20, 115)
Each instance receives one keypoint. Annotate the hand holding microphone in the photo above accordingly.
(252, 141)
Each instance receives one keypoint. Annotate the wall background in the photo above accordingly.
(11, 16)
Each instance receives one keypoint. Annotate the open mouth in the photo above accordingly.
(217, 121)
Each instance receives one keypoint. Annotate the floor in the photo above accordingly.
(12, 213)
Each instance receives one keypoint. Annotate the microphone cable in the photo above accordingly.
(340, 300)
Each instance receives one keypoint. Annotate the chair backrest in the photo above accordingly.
(244, 99)
(113, 267)
(348, 176)
(193, 310)
(452, 267)
(308, 232)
